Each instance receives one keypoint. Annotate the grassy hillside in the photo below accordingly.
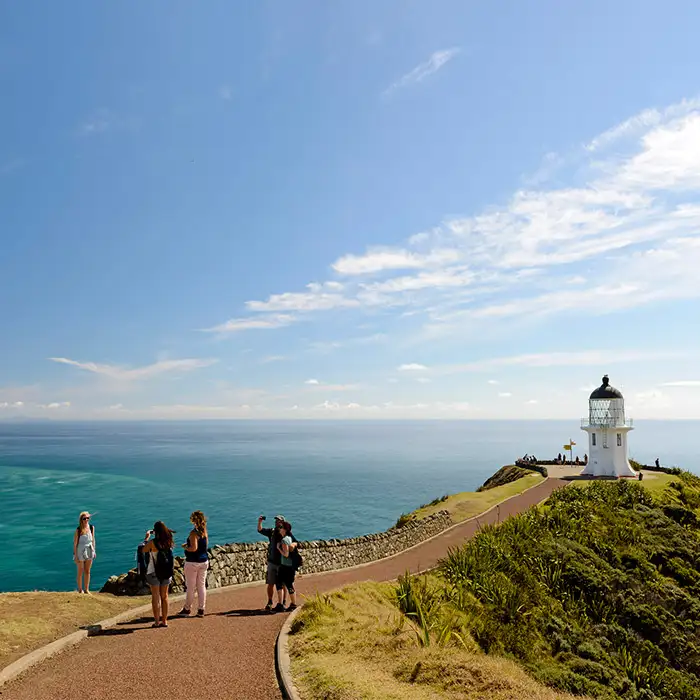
(30, 620)
(467, 504)
(597, 593)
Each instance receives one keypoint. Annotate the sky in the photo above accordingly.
(455, 209)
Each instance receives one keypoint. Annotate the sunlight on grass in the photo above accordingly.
(30, 620)
(462, 506)
(383, 659)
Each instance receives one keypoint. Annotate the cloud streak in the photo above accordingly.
(423, 70)
(125, 374)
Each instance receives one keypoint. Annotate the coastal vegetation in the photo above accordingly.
(508, 481)
(596, 593)
(31, 619)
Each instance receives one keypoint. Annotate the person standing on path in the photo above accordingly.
(84, 551)
(286, 571)
(273, 559)
(196, 564)
(159, 569)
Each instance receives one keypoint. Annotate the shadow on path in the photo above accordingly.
(254, 612)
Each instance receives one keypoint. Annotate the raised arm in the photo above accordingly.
(260, 522)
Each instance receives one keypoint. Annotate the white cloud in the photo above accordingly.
(412, 367)
(272, 358)
(504, 394)
(601, 358)
(623, 232)
(436, 61)
(314, 382)
(56, 405)
(683, 383)
(257, 322)
(119, 373)
(380, 260)
(531, 402)
(423, 380)
(493, 382)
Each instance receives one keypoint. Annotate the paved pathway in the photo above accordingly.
(229, 654)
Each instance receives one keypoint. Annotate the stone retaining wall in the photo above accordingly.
(247, 562)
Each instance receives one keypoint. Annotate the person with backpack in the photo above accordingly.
(273, 560)
(157, 556)
(196, 564)
(290, 561)
(84, 551)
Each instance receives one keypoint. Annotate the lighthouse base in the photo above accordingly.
(608, 452)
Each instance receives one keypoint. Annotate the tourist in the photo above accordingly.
(657, 463)
(577, 461)
(159, 569)
(196, 564)
(273, 559)
(286, 571)
(84, 551)
(585, 458)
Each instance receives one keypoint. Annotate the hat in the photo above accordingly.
(280, 517)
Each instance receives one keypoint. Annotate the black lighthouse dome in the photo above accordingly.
(605, 391)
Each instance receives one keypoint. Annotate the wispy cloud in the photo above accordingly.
(120, 373)
(412, 367)
(684, 383)
(256, 322)
(504, 394)
(436, 61)
(622, 233)
(312, 382)
(98, 122)
(272, 358)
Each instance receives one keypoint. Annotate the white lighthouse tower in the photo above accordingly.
(607, 430)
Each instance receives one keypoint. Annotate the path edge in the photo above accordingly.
(283, 664)
(33, 658)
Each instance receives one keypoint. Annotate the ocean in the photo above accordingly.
(330, 479)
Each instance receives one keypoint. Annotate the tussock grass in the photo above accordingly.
(356, 643)
(30, 620)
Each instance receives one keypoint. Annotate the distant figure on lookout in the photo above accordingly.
(656, 462)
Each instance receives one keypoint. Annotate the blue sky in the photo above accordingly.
(348, 209)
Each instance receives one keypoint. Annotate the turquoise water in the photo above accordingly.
(331, 479)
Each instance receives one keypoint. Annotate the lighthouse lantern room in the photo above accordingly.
(607, 430)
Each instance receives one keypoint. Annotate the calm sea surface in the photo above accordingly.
(329, 479)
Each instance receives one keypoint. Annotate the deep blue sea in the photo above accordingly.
(330, 479)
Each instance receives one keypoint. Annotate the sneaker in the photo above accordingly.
(184, 612)
(291, 607)
(200, 612)
(278, 608)
(268, 607)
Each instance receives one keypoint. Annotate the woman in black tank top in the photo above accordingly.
(196, 564)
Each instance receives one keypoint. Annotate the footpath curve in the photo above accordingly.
(230, 653)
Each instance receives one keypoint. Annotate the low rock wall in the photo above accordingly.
(247, 562)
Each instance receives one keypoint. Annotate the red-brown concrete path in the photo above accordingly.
(227, 655)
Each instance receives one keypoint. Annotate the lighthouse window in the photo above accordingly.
(593, 439)
(619, 440)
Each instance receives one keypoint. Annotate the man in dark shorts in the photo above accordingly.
(273, 560)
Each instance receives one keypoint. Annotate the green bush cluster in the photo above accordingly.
(597, 593)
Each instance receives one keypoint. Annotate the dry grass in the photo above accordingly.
(30, 620)
(470, 503)
(354, 644)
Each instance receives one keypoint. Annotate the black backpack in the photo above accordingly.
(297, 559)
(164, 564)
(142, 564)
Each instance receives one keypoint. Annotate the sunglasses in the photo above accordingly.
(85, 518)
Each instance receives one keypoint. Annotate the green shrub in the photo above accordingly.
(596, 593)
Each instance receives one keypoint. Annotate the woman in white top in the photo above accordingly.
(84, 551)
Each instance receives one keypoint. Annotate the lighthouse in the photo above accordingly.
(607, 430)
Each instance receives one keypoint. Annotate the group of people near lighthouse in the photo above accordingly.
(156, 563)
